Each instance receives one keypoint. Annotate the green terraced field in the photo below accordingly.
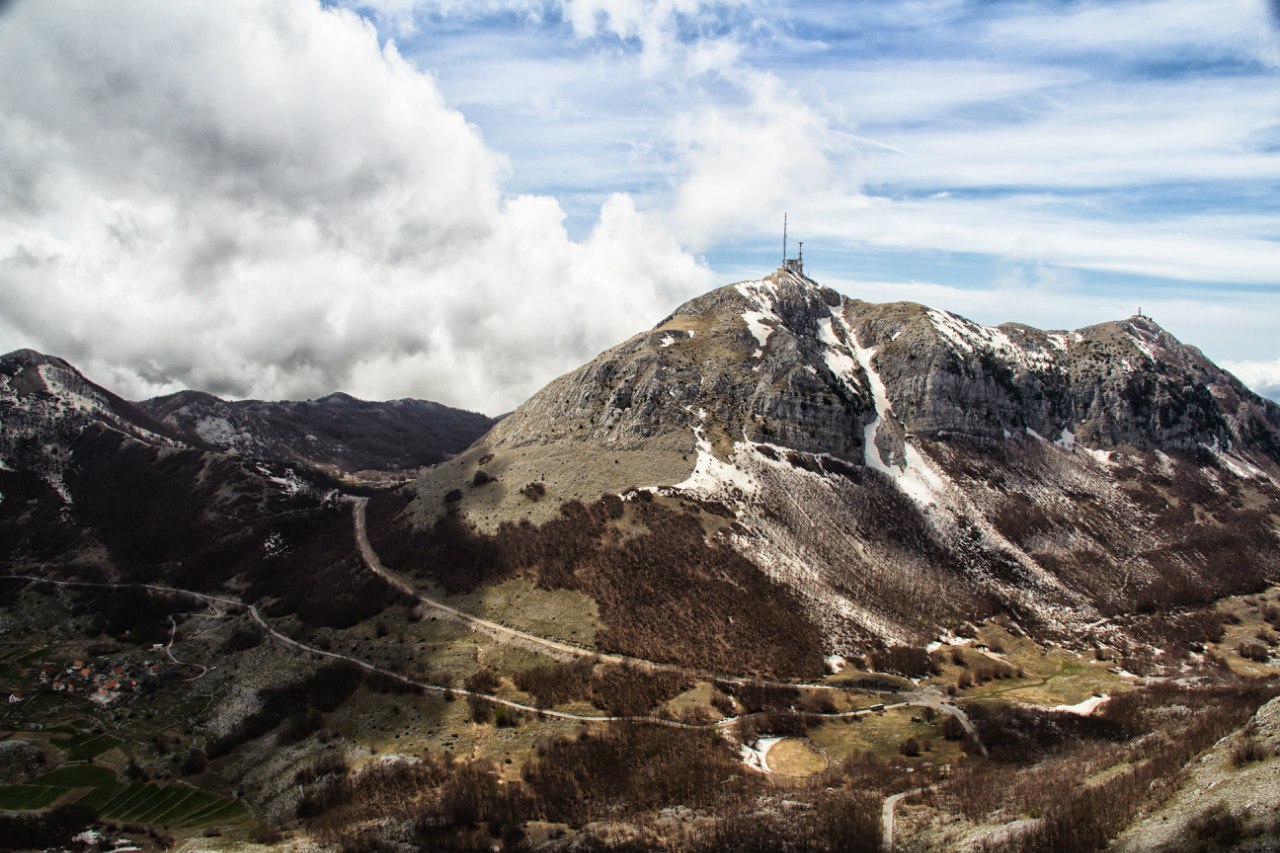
(82, 747)
(174, 806)
(78, 776)
(22, 797)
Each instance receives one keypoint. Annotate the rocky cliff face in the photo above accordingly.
(902, 470)
(785, 361)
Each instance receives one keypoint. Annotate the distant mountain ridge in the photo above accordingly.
(336, 433)
(45, 402)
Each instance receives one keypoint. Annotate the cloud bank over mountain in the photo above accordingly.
(461, 200)
(259, 198)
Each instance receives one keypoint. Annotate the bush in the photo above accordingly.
(195, 762)
(482, 478)
(1254, 652)
(534, 491)
(628, 769)
(953, 729)
(910, 748)
(243, 638)
(1247, 751)
(1217, 825)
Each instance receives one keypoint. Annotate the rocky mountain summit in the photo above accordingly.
(901, 470)
(46, 404)
(788, 362)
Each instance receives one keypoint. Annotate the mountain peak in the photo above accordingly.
(33, 357)
(887, 461)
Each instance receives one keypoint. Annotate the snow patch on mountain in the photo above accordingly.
(761, 294)
(711, 477)
(759, 330)
(837, 358)
(1143, 340)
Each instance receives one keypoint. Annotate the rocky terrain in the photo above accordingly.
(753, 579)
(1231, 800)
(899, 471)
(337, 433)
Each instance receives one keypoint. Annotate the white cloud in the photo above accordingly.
(1145, 28)
(741, 165)
(1261, 376)
(256, 198)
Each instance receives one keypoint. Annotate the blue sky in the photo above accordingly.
(460, 199)
(1053, 162)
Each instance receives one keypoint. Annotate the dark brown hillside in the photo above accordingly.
(199, 520)
(665, 592)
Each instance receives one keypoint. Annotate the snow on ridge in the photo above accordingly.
(1139, 338)
(1067, 441)
(836, 357)
(289, 483)
(1235, 463)
(968, 336)
(762, 293)
(667, 341)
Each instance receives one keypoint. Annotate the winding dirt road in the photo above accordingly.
(545, 645)
(561, 649)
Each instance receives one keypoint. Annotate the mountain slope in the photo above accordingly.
(337, 433)
(893, 471)
(94, 487)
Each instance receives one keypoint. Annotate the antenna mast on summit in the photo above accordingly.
(795, 265)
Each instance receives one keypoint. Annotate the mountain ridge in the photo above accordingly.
(902, 471)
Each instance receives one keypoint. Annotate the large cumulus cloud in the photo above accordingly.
(258, 198)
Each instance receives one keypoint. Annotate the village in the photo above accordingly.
(103, 681)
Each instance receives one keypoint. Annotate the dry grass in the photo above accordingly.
(796, 757)
(1247, 612)
(882, 735)
(1052, 676)
(558, 613)
(569, 470)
